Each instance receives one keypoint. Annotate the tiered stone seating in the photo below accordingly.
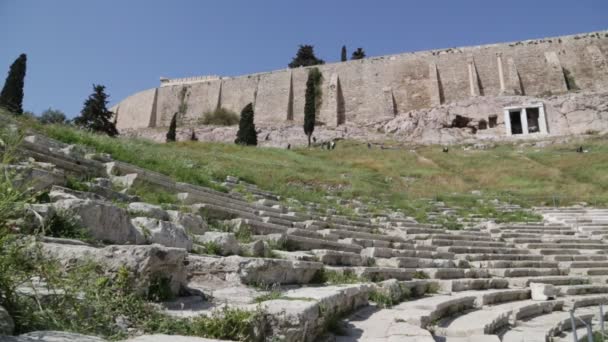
(475, 282)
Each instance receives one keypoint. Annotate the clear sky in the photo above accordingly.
(127, 45)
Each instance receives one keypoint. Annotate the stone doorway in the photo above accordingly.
(524, 120)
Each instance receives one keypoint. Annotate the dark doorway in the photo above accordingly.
(493, 119)
(515, 117)
(532, 116)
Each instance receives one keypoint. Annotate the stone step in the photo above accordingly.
(376, 273)
(304, 243)
(380, 252)
(482, 250)
(581, 301)
(424, 311)
(465, 243)
(583, 264)
(524, 272)
(500, 257)
(338, 258)
(407, 262)
(343, 234)
(570, 290)
(589, 271)
(491, 319)
(588, 257)
(553, 280)
(365, 243)
(514, 264)
(558, 251)
(466, 284)
(567, 246)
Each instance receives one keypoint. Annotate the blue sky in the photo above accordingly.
(127, 45)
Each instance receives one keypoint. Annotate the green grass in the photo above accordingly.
(398, 177)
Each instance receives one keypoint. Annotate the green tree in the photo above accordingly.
(305, 57)
(52, 116)
(310, 104)
(343, 56)
(358, 54)
(95, 115)
(246, 134)
(171, 134)
(11, 96)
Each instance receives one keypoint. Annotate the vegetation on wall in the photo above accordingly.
(569, 78)
(246, 134)
(220, 117)
(11, 96)
(305, 57)
(95, 115)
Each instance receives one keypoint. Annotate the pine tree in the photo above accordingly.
(246, 134)
(358, 54)
(305, 57)
(11, 96)
(343, 57)
(171, 134)
(310, 103)
(95, 115)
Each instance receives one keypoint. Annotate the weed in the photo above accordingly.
(220, 117)
(76, 184)
(160, 289)
(381, 299)
(211, 247)
(63, 225)
(335, 277)
(420, 275)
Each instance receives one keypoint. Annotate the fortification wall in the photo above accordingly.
(378, 88)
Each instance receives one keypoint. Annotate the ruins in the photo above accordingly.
(493, 81)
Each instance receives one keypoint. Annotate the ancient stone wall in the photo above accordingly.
(374, 89)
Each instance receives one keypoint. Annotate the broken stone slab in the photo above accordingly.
(162, 232)
(543, 292)
(7, 325)
(296, 255)
(145, 263)
(225, 242)
(252, 271)
(143, 209)
(194, 224)
(103, 220)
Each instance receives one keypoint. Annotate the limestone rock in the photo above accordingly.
(36, 178)
(193, 223)
(147, 210)
(103, 220)
(226, 242)
(145, 263)
(256, 248)
(162, 232)
(125, 181)
(543, 292)
(6, 322)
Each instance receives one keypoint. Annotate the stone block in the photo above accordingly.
(543, 292)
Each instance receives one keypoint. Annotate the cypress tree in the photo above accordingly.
(305, 57)
(171, 134)
(95, 115)
(358, 54)
(310, 105)
(246, 134)
(11, 96)
(343, 57)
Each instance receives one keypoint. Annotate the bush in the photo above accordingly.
(52, 116)
(247, 134)
(220, 117)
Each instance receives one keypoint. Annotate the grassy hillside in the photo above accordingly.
(532, 176)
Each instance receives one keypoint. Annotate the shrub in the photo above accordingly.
(52, 116)
(220, 117)
(305, 57)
